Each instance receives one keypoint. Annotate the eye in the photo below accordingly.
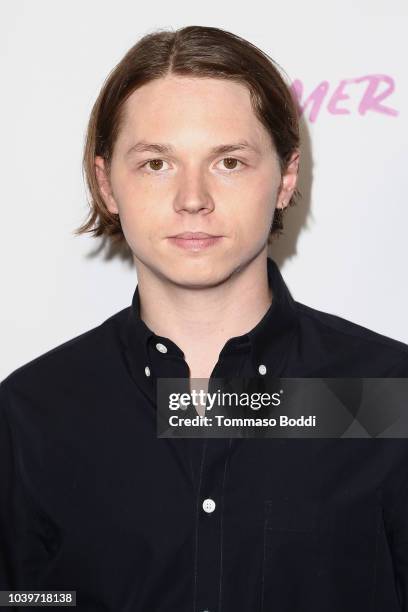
(156, 164)
(231, 162)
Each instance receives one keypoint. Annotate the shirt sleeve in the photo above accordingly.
(397, 516)
(398, 541)
(8, 502)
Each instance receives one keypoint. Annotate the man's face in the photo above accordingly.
(190, 187)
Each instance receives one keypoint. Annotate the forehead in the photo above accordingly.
(174, 105)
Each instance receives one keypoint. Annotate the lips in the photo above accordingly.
(194, 235)
(194, 242)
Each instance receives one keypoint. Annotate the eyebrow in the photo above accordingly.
(165, 148)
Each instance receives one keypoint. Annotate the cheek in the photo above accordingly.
(135, 204)
(130, 192)
(255, 207)
(135, 224)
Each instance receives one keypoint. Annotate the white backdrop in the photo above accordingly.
(345, 246)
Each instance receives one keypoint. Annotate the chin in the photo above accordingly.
(197, 276)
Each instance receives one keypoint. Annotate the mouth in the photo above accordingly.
(194, 235)
(194, 241)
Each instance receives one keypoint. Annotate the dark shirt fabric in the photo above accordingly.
(92, 500)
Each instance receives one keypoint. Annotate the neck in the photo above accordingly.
(216, 313)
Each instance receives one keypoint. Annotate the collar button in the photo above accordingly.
(160, 347)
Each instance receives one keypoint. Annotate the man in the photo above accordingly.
(92, 500)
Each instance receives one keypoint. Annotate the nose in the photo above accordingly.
(192, 193)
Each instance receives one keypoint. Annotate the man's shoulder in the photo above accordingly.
(83, 352)
(346, 339)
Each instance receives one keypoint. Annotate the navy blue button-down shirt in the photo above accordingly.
(92, 500)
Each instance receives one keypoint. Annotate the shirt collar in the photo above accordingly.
(267, 342)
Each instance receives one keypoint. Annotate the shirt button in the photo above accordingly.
(209, 505)
(160, 347)
(262, 369)
(147, 371)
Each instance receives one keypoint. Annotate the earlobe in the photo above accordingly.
(289, 179)
(104, 185)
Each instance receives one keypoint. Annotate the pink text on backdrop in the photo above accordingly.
(371, 99)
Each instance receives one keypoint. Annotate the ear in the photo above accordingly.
(104, 185)
(288, 181)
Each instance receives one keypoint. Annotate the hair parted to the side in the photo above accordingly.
(194, 51)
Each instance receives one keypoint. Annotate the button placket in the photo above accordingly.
(209, 524)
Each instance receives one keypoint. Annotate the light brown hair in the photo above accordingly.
(194, 51)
